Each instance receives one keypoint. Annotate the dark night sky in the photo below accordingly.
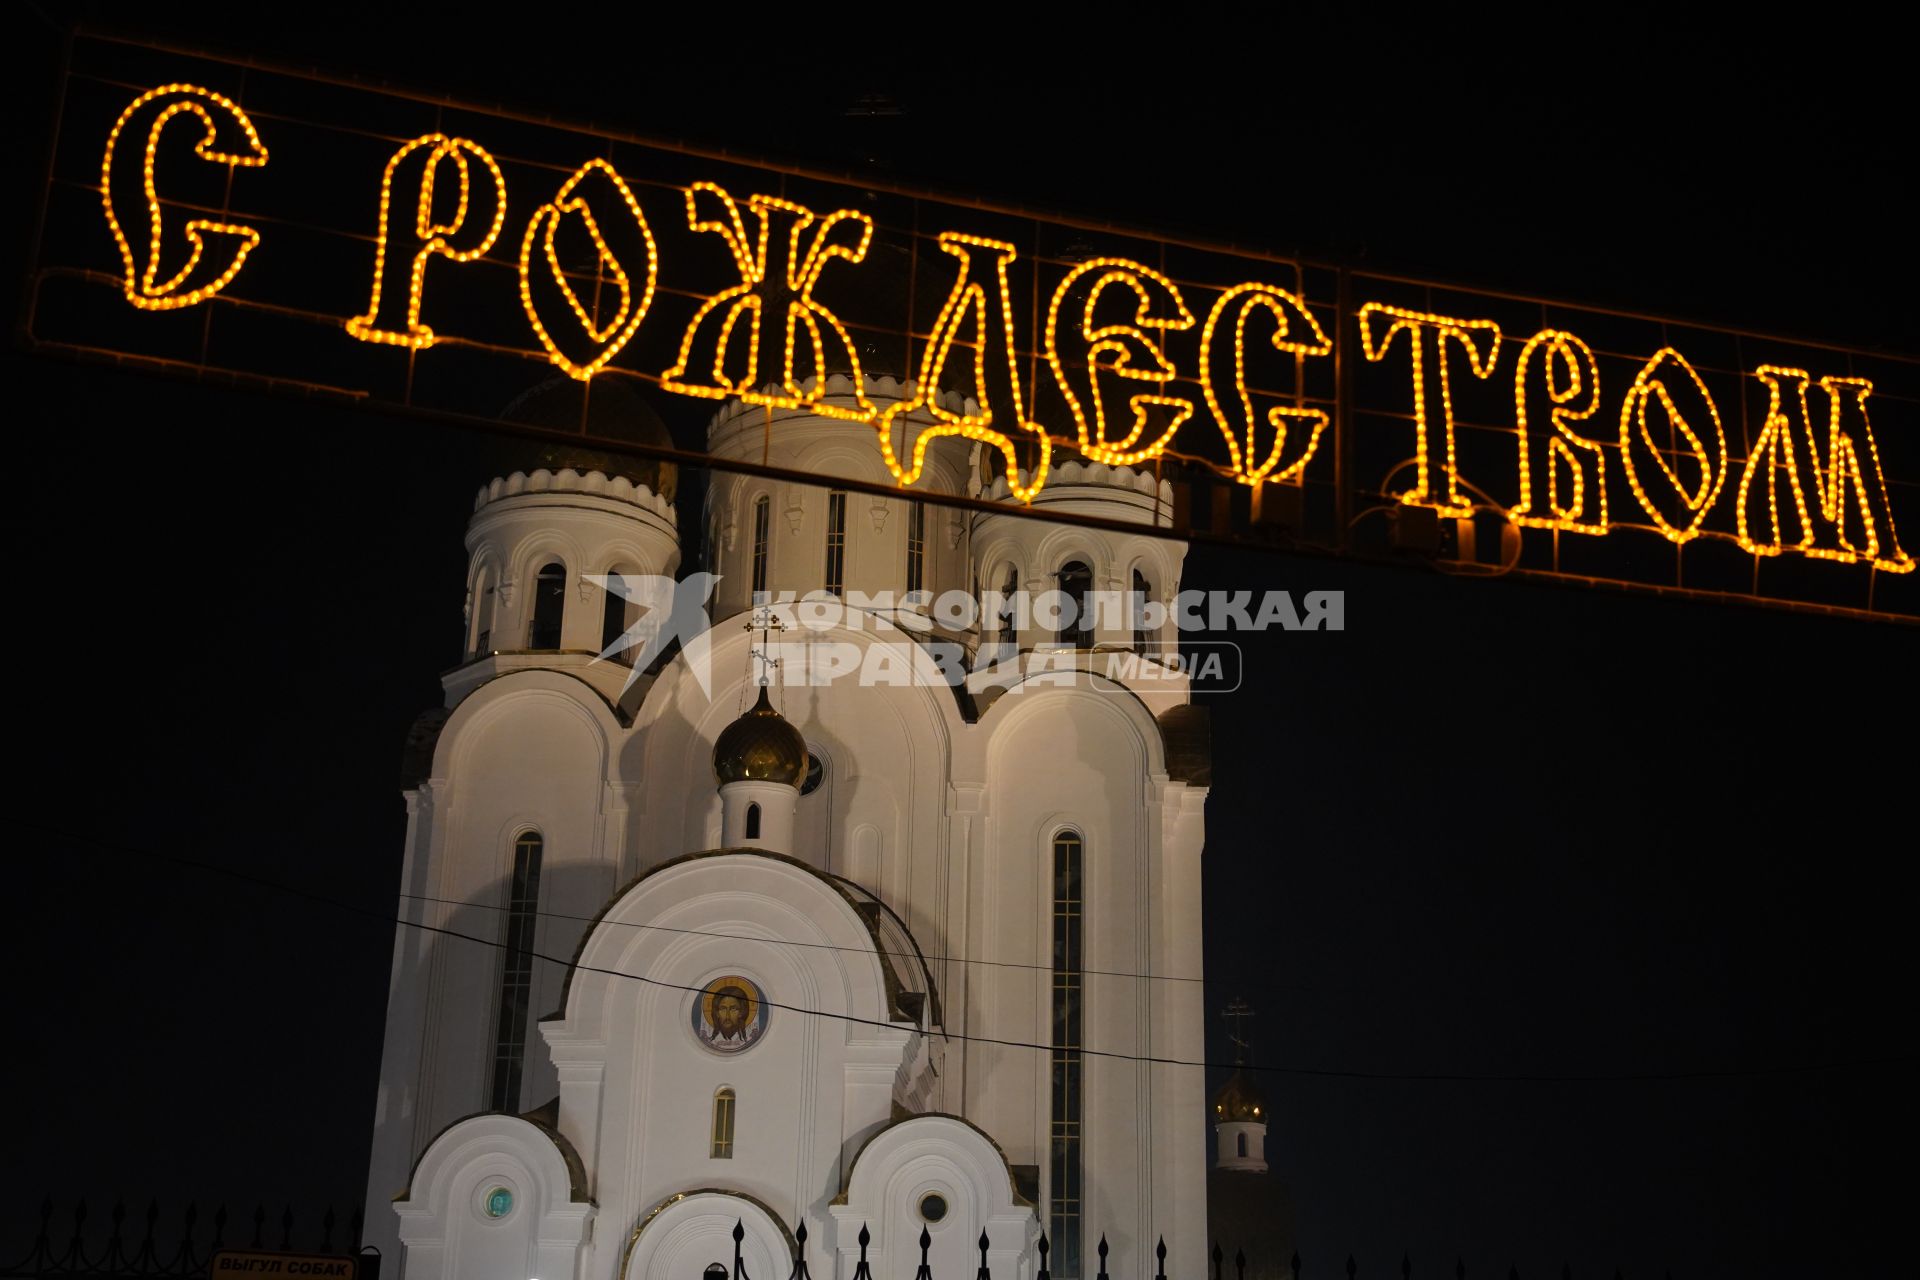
(1411, 868)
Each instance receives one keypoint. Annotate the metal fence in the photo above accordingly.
(182, 1247)
(188, 1250)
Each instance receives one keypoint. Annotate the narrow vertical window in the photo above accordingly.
(549, 603)
(916, 546)
(1241, 1144)
(1008, 623)
(483, 617)
(613, 619)
(837, 542)
(1064, 1147)
(762, 517)
(1076, 584)
(723, 1125)
(1141, 640)
(516, 973)
(753, 822)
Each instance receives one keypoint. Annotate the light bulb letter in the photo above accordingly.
(732, 339)
(985, 327)
(452, 200)
(215, 249)
(1839, 507)
(1437, 475)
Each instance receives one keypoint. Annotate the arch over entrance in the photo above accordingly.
(687, 1235)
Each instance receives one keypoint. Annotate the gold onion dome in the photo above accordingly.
(1239, 1100)
(760, 747)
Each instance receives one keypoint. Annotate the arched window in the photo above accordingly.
(1076, 584)
(1240, 1141)
(1064, 1139)
(916, 546)
(613, 618)
(762, 520)
(837, 541)
(753, 822)
(483, 616)
(1142, 642)
(549, 603)
(722, 1125)
(1008, 623)
(516, 973)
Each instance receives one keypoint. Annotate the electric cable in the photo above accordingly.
(1002, 1042)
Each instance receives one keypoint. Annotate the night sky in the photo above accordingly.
(1638, 867)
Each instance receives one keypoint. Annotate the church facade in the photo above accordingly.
(747, 936)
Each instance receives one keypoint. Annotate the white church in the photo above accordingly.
(788, 951)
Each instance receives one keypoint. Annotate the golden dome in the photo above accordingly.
(760, 747)
(1239, 1100)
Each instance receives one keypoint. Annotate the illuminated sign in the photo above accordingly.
(347, 240)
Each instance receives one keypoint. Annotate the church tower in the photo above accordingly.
(1249, 1209)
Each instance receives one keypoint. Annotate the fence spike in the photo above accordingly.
(286, 1230)
(326, 1231)
(1045, 1248)
(861, 1271)
(1406, 1266)
(984, 1273)
(1217, 1258)
(926, 1242)
(1566, 1271)
(1296, 1264)
(799, 1253)
(259, 1226)
(1513, 1272)
(1459, 1269)
(1103, 1255)
(1160, 1254)
(1240, 1264)
(116, 1254)
(1352, 1267)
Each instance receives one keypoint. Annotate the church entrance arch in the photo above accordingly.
(691, 1236)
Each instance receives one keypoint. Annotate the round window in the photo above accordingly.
(499, 1202)
(816, 770)
(933, 1207)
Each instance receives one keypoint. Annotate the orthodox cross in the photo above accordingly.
(1236, 1013)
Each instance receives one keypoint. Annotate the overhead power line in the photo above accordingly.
(997, 1041)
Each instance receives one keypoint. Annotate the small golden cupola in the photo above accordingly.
(761, 746)
(1239, 1100)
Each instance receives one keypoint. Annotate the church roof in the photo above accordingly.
(761, 746)
(856, 897)
(1238, 1099)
